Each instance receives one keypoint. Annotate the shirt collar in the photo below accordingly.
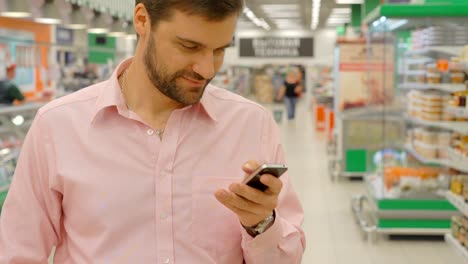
(111, 95)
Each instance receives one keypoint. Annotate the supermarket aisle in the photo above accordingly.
(332, 235)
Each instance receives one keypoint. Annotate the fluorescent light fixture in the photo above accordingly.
(316, 4)
(50, 13)
(98, 24)
(375, 23)
(396, 24)
(258, 22)
(383, 19)
(77, 18)
(348, 2)
(18, 120)
(17, 9)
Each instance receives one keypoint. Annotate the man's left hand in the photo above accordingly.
(251, 205)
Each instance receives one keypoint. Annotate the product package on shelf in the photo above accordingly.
(264, 89)
(460, 229)
(419, 182)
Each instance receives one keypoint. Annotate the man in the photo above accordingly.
(146, 167)
(9, 92)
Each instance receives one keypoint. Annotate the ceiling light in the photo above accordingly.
(345, 2)
(258, 22)
(99, 24)
(77, 18)
(315, 13)
(50, 13)
(17, 9)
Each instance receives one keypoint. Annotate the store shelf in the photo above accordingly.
(460, 127)
(452, 50)
(415, 73)
(450, 88)
(424, 160)
(458, 202)
(460, 112)
(457, 160)
(461, 250)
(410, 61)
(21, 108)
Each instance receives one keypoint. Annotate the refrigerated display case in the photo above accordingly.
(406, 196)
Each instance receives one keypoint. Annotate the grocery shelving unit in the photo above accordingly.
(460, 127)
(462, 206)
(450, 88)
(381, 210)
(459, 248)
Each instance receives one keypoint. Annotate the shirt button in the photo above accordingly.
(167, 261)
(163, 215)
(150, 132)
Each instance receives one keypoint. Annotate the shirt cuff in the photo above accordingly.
(270, 238)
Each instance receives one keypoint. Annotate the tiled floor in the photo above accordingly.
(332, 235)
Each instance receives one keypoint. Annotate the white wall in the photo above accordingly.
(324, 44)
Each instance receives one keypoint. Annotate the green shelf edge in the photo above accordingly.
(417, 11)
(2, 199)
(413, 223)
(400, 204)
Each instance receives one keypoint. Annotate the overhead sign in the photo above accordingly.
(276, 47)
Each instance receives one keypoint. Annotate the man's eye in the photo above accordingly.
(190, 47)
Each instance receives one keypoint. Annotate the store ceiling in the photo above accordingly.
(289, 14)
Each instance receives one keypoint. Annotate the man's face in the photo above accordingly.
(184, 54)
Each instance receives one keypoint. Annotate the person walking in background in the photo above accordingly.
(290, 92)
(9, 92)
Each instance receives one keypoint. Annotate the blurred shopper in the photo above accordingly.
(9, 92)
(290, 92)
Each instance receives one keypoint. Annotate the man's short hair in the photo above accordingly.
(212, 10)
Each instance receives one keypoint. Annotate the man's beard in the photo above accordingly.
(167, 83)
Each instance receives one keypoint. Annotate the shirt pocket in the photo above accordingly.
(215, 228)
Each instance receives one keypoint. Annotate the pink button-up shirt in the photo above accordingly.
(97, 182)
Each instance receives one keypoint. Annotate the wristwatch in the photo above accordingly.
(262, 226)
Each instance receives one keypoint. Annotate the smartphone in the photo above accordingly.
(273, 169)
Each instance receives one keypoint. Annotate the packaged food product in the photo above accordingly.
(456, 224)
(431, 68)
(431, 116)
(442, 153)
(434, 78)
(426, 151)
(444, 138)
(429, 137)
(457, 77)
(456, 185)
(461, 235)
